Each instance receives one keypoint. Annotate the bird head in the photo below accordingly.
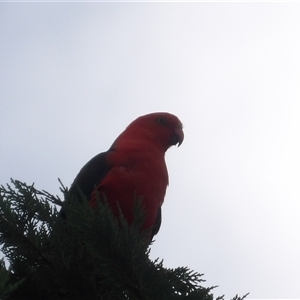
(161, 130)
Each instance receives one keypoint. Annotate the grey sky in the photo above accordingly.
(74, 75)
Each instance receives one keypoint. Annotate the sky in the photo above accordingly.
(74, 75)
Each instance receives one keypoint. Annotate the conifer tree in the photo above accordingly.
(88, 255)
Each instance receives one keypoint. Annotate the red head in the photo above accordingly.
(161, 130)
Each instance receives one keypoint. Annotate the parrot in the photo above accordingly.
(133, 166)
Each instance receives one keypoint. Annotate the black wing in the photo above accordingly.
(156, 224)
(90, 176)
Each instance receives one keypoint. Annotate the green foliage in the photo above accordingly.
(88, 255)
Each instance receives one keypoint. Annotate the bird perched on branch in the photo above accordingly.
(133, 166)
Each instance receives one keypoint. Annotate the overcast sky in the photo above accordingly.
(74, 75)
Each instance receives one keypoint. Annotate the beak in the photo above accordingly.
(178, 136)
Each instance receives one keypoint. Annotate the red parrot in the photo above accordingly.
(133, 166)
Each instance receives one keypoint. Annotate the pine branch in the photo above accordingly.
(88, 255)
(23, 221)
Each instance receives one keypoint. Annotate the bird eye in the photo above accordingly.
(161, 120)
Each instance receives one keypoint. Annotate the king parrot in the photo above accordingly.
(133, 166)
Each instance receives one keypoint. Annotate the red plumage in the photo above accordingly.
(133, 166)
